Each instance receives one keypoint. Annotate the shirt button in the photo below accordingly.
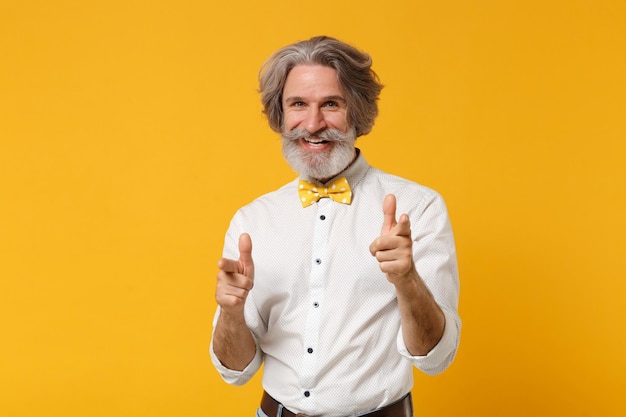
(307, 394)
(310, 350)
(322, 217)
(316, 304)
(318, 261)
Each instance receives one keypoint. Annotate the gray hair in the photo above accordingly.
(356, 78)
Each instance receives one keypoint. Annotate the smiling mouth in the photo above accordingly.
(315, 141)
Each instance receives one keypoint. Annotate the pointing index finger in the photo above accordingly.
(403, 227)
(228, 265)
(244, 265)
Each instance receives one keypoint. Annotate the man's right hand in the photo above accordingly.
(233, 343)
(235, 278)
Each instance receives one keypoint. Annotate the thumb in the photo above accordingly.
(389, 214)
(245, 255)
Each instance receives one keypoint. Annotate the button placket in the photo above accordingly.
(317, 279)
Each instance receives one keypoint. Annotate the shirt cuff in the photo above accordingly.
(234, 377)
(440, 356)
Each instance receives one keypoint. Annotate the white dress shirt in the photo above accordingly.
(324, 317)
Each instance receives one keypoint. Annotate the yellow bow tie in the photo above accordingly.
(338, 190)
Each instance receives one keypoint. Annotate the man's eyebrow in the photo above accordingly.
(335, 98)
(323, 99)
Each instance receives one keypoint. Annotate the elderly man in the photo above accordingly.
(341, 296)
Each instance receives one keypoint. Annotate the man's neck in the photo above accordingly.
(325, 180)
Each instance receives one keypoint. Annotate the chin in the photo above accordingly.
(333, 152)
(323, 164)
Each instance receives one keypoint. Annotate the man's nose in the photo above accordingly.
(314, 121)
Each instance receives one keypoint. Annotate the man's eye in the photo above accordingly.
(331, 104)
(298, 104)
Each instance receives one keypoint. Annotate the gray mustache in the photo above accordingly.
(331, 135)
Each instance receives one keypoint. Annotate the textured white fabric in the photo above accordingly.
(325, 318)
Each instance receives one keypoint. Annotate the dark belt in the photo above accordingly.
(401, 408)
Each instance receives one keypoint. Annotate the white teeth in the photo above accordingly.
(315, 142)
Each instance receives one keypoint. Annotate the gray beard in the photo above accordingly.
(319, 165)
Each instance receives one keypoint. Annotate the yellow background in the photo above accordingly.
(128, 130)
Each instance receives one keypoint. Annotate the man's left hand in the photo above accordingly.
(394, 248)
